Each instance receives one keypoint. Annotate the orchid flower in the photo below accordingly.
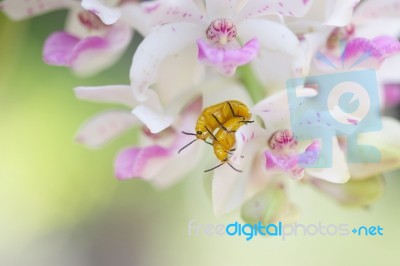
(269, 156)
(226, 34)
(96, 33)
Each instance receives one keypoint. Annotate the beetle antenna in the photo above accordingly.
(187, 133)
(215, 167)
(234, 168)
(186, 145)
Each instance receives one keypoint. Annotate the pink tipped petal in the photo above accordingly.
(284, 162)
(292, 8)
(109, 15)
(391, 94)
(58, 48)
(369, 53)
(168, 11)
(164, 41)
(338, 172)
(226, 60)
(94, 54)
(89, 55)
(104, 127)
(120, 94)
(134, 162)
(310, 155)
(340, 12)
(21, 9)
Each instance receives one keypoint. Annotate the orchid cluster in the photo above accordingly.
(196, 53)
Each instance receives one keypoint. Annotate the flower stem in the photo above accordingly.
(254, 87)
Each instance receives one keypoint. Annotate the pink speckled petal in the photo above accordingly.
(293, 8)
(109, 15)
(167, 11)
(226, 60)
(104, 127)
(163, 41)
(21, 9)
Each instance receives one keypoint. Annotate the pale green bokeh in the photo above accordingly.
(61, 205)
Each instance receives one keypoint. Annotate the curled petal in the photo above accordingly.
(310, 155)
(109, 15)
(104, 127)
(21, 9)
(226, 60)
(292, 8)
(89, 55)
(165, 40)
(156, 121)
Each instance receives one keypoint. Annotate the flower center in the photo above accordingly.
(338, 35)
(282, 139)
(221, 31)
(91, 20)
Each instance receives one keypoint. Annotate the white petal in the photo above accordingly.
(220, 9)
(165, 40)
(339, 12)
(275, 7)
(229, 186)
(272, 36)
(339, 171)
(109, 15)
(21, 9)
(275, 111)
(370, 11)
(155, 121)
(120, 94)
(104, 127)
(224, 90)
(134, 16)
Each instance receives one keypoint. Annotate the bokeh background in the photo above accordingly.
(61, 205)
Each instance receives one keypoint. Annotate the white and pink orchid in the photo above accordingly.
(95, 36)
(224, 34)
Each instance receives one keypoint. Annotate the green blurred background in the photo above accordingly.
(61, 205)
